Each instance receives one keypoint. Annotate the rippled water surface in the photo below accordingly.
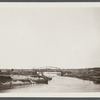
(58, 84)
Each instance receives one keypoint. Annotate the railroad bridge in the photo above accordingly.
(53, 69)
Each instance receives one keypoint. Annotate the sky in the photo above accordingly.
(65, 37)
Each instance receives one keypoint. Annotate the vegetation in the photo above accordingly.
(92, 74)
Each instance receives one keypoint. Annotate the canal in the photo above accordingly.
(58, 84)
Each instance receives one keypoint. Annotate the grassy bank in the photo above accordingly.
(92, 74)
(10, 81)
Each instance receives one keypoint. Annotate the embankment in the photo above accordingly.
(9, 81)
(92, 74)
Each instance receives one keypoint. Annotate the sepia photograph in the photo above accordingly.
(49, 48)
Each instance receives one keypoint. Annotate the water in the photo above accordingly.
(57, 85)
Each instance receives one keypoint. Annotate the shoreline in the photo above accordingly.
(7, 82)
(85, 74)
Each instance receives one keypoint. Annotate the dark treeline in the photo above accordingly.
(85, 71)
(91, 74)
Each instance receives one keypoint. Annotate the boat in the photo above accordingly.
(48, 78)
(41, 78)
(41, 81)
